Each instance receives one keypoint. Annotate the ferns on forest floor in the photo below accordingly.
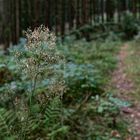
(35, 93)
(33, 111)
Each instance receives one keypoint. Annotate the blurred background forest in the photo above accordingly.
(62, 16)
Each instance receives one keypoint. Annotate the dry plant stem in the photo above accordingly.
(83, 102)
(33, 88)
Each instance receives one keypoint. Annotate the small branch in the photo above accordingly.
(83, 102)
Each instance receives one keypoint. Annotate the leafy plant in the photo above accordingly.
(37, 60)
(81, 79)
(130, 25)
(36, 93)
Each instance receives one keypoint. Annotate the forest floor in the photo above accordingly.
(126, 87)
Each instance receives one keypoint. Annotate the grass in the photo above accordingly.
(133, 67)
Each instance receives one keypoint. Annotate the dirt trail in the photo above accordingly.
(125, 87)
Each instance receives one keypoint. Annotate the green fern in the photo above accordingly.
(53, 111)
(7, 119)
(22, 125)
(28, 127)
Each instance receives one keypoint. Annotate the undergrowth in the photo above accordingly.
(57, 91)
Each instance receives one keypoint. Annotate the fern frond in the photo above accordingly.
(33, 124)
(7, 118)
(53, 111)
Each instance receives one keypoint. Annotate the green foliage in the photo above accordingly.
(42, 108)
(98, 55)
(119, 102)
(130, 25)
(7, 119)
(81, 79)
(31, 63)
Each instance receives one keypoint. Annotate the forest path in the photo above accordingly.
(125, 87)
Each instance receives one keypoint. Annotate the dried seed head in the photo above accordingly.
(43, 59)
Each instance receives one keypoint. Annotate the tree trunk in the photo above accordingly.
(17, 20)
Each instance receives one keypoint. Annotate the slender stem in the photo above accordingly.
(33, 88)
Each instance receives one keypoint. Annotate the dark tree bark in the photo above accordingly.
(1, 20)
(63, 19)
(17, 20)
(72, 13)
(36, 12)
(102, 10)
(78, 14)
(109, 10)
